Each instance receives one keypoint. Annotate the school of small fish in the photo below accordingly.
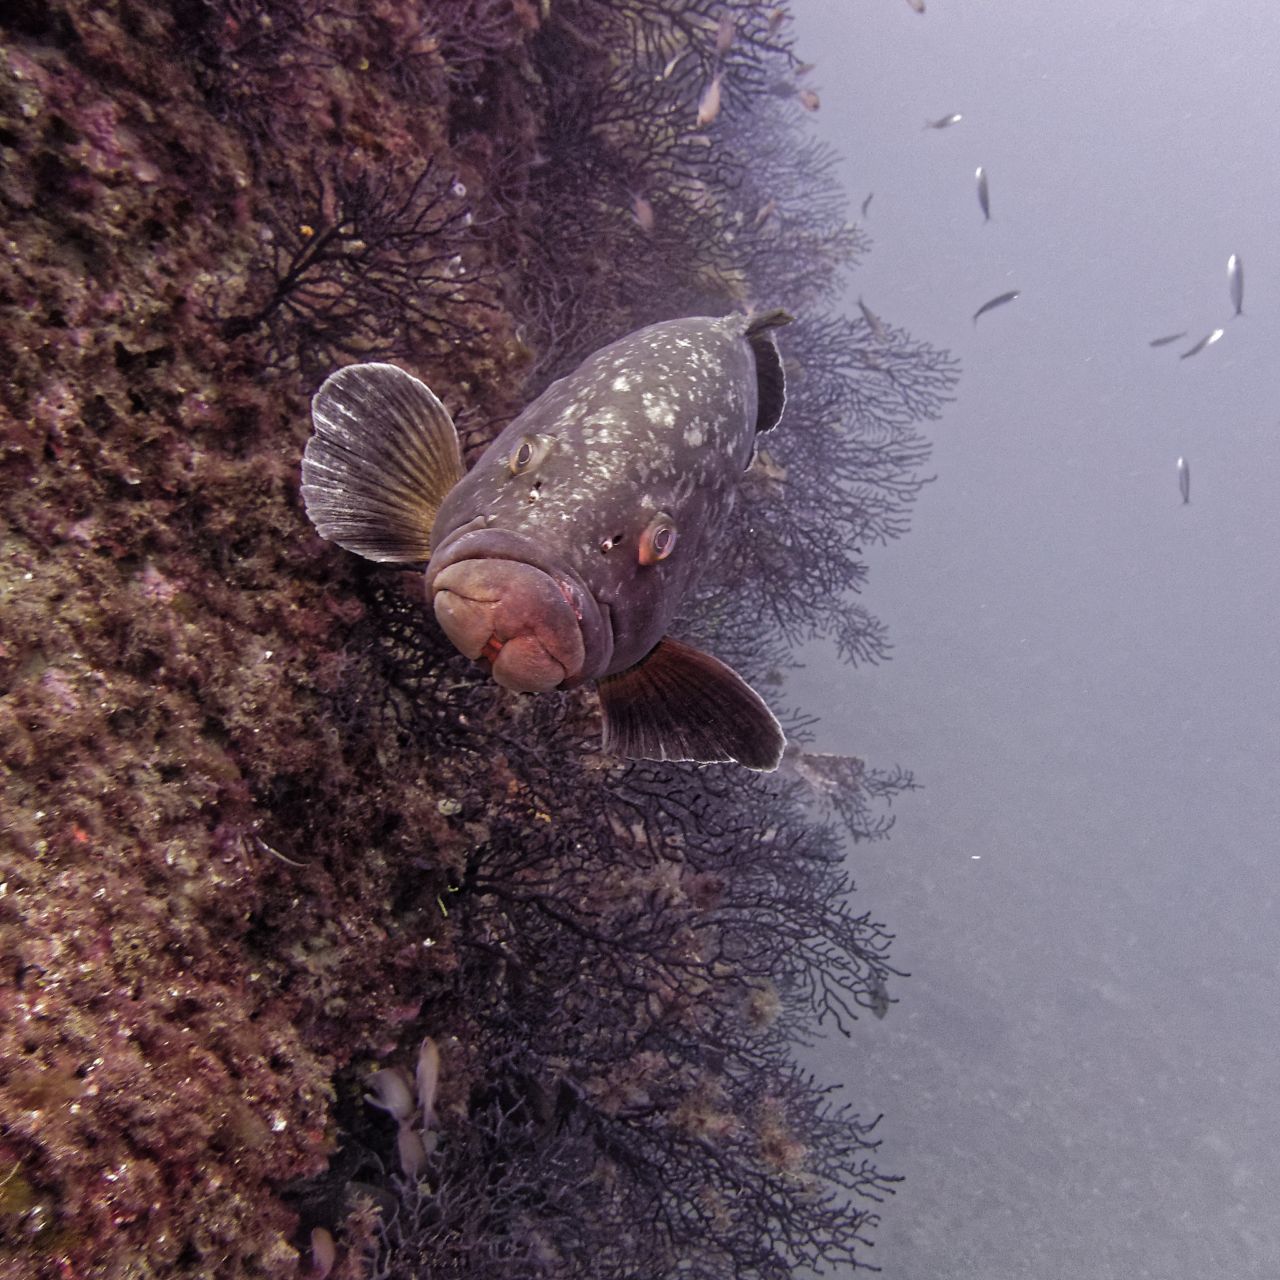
(722, 33)
(1235, 289)
(1235, 282)
(983, 185)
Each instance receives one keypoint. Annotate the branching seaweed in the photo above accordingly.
(370, 266)
(635, 967)
(840, 473)
(675, 159)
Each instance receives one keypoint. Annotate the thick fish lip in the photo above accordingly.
(513, 616)
(477, 542)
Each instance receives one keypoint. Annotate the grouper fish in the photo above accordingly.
(563, 555)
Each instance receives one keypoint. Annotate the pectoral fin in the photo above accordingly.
(681, 704)
(383, 455)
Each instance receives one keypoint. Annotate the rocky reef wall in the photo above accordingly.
(262, 830)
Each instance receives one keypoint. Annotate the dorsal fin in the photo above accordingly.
(383, 455)
(770, 379)
(679, 703)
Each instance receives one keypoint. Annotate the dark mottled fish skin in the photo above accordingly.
(563, 555)
(662, 421)
(998, 301)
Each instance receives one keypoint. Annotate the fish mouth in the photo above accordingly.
(503, 601)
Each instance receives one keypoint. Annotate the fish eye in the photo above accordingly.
(526, 453)
(521, 456)
(658, 541)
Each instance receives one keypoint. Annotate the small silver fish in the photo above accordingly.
(984, 195)
(412, 1152)
(1207, 341)
(427, 1080)
(873, 321)
(1164, 342)
(877, 989)
(764, 213)
(726, 29)
(1235, 281)
(324, 1253)
(944, 122)
(390, 1093)
(866, 204)
(1184, 480)
(709, 106)
(642, 212)
(998, 301)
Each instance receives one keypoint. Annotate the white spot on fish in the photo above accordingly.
(621, 383)
(693, 435)
(658, 411)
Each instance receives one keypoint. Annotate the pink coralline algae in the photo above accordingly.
(155, 586)
(175, 1002)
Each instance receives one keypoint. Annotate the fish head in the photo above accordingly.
(564, 554)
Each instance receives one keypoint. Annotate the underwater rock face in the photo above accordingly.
(174, 986)
(263, 831)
